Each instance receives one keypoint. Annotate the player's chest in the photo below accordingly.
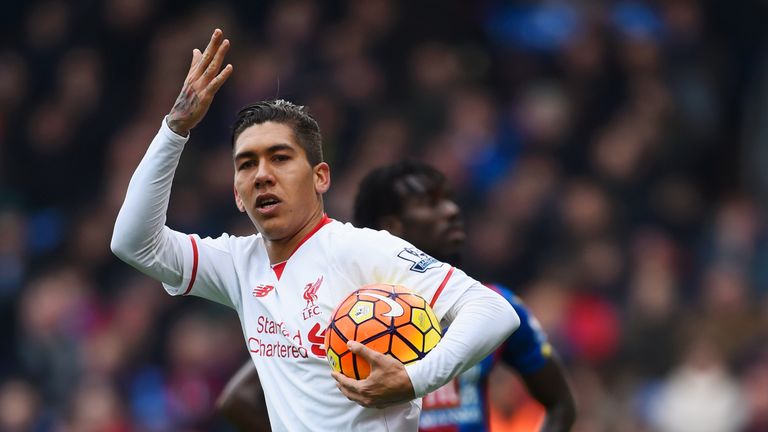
(304, 290)
(294, 309)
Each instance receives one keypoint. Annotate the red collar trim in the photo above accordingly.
(324, 221)
(279, 267)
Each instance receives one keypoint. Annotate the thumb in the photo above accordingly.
(363, 351)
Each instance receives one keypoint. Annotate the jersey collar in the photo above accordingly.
(279, 267)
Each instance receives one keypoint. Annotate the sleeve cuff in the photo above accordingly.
(419, 387)
(172, 136)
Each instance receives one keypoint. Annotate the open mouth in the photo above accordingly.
(266, 202)
(456, 232)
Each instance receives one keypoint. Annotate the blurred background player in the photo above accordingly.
(412, 200)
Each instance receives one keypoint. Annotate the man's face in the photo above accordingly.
(274, 182)
(432, 222)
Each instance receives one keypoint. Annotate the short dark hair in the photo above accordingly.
(281, 111)
(384, 190)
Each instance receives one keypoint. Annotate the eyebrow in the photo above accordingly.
(270, 150)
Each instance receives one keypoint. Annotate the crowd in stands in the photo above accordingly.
(610, 157)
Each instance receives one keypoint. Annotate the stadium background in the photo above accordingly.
(610, 157)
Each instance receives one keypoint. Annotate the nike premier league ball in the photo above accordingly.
(389, 319)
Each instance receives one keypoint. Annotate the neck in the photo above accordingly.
(280, 250)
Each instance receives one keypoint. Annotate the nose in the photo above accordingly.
(450, 209)
(263, 176)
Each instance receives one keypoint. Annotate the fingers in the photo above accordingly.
(353, 390)
(208, 54)
(360, 393)
(201, 84)
(204, 72)
(342, 379)
(220, 79)
(218, 59)
(345, 384)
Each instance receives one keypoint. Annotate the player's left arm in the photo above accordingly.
(529, 352)
(480, 321)
(549, 386)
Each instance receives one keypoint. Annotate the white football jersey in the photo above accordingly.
(285, 310)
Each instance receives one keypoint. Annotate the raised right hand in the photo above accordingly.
(203, 81)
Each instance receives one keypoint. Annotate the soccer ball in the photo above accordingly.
(386, 318)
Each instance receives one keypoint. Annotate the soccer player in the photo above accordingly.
(279, 182)
(412, 200)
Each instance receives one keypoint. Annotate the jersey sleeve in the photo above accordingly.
(379, 257)
(527, 350)
(207, 269)
(183, 263)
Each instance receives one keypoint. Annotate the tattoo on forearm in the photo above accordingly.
(184, 108)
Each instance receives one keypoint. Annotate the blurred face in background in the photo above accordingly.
(274, 182)
(430, 220)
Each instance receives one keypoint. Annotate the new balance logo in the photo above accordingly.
(262, 290)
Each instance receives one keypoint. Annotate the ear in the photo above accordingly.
(238, 200)
(322, 177)
(393, 224)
